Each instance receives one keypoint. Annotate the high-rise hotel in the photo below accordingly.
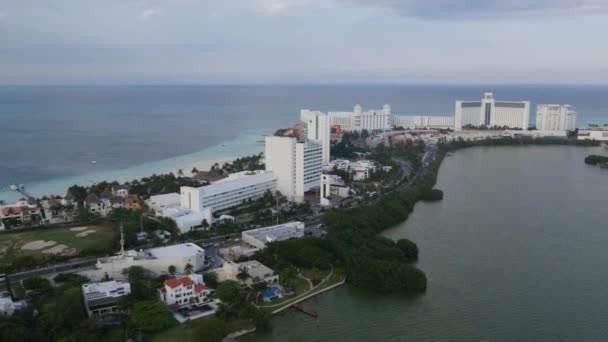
(554, 117)
(491, 113)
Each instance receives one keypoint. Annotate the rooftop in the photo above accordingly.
(113, 288)
(279, 232)
(176, 251)
(236, 181)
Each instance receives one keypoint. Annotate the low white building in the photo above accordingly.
(362, 169)
(8, 306)
(358, 120)
(185, 290)
(261, 236)
(593, 133)
(159, 203)
(256, 271)
(156, 260)
(228, 192)
(423, 121)
(101, 299)
(332, 186)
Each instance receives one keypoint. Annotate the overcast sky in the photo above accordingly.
(303, 41)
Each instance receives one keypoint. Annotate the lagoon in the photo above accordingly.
(516, 251)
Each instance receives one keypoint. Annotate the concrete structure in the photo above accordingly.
(228, 192)
(423, 121)
(554, 117)
(160, 202)
(332, 187)
(316, 127)
(184, 290)
(155, 260)
(593, 133)
(257, 272)
(8, 306)
(358, 120)
(362, 169)
(101, 299)
(490, 113)
(261, 236)
(297, 165)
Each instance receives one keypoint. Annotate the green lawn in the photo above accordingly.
(11, 243)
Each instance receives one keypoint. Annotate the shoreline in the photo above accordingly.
(246, 143)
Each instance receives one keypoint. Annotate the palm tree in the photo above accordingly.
(188, 269)
(243, 274)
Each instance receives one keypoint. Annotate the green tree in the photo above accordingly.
(229, 291)
(211, 329)
(243, 274)
(152, 316)
(172, 269)
(188, 269)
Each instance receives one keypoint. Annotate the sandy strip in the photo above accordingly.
(202, 165)
(78, 229)
(37, 245)
(85, 233)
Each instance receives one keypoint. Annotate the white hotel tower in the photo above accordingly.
(297, 165)
(315, 127)
(554, 117)
(489, 112)
(358, 120)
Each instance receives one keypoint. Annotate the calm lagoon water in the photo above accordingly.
(516, 251)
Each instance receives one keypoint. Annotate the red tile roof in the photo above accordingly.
(200, 288)
(17, 210)
(175, 282)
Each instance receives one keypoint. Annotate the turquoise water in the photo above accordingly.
(516, 251)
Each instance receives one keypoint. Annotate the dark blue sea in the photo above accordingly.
(50, 135)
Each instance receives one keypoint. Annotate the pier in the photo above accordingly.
(305, 310)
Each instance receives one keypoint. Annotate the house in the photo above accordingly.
(185, 290)
(57, 210)
(120, 190)
(21, 212)
(132, 202)
(101, 299)
(96, 205)
(253, 271)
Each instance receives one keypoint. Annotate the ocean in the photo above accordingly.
(55, 136)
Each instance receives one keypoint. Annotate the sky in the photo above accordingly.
(303, 41)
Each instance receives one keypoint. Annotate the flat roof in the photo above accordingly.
(176, 251)
(243, 180)
(279, 232)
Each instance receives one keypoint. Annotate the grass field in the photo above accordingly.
(187, 331)
(11, 244)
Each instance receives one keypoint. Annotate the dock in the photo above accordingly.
(305, 310)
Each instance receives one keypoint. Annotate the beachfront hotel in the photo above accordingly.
(316, 127)
(423, 121)
(358, 120)
(555, 117)
(490, 113)
(296, 165)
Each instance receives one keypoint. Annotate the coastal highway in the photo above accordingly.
(73, 266)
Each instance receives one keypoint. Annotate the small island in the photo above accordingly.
(595, 159)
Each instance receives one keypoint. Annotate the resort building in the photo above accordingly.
(332, 187)
(101, 299)
(491, 113)
(261, 236)
(362, 169)
(423, 121)
(252, 272)
(297, 165)
(184, 290)
(315, 127)
(184, 257)
(554, 117)
(159, 203)
(228, 192)
(593, 133)
(358, 120)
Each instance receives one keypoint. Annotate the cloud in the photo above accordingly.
(149, 13)
(485, 9)
(274, 7)
(3, 14)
